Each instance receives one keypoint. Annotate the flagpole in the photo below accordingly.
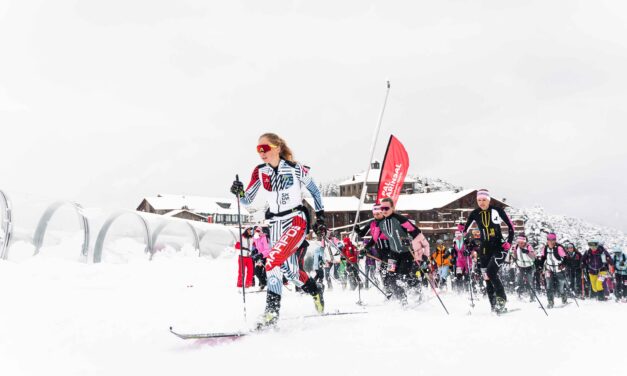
(372, 148)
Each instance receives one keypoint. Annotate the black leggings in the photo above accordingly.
(397, 281)
(494, 286)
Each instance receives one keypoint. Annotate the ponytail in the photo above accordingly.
(286, 152)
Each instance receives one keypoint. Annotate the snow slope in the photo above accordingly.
(63, 317)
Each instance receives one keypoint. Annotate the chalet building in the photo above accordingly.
(353, 186)
(436, 213)
(195, 208)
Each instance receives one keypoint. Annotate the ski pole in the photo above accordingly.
(241, 249)
(430, 282)
(437, 295)
(372, 148)
(387, 295)
(573, 295)
(541, 306)
(583, 286)
(472, 301)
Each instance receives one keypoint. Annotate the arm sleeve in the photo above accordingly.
(253, 188)
(408, 226)
(508, 222)
(364, 230)
(311, 186)
(471, 218)
(609, 258)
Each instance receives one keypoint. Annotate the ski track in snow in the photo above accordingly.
(61, 317)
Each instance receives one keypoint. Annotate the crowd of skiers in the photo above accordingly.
(388, 256)
(480, 257)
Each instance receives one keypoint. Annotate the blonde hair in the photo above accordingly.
(286, 152)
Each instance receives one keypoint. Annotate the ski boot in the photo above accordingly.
(267, 320)
(271, 315)
(564, 299)
(316, 290)
(551, 303)
(500, 305)
(319, 302)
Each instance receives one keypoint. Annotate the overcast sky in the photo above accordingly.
(105, 102)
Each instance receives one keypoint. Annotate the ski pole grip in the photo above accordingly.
(236, 177)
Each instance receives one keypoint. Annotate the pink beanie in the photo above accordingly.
(483, 193)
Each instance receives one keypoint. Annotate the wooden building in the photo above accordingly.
(436, 214)
(195, 208)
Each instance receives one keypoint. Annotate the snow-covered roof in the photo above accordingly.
(429, 201)
(340, 204)
(195, 204)
(373, 177)
(174, 213)
(417, 201)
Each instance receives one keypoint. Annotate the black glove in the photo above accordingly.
(356, 229)
(320, 227)
(466, 252)
(524, 250)
(237, 188)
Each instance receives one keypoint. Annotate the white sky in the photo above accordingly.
(105, 102)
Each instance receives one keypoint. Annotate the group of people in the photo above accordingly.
(396, 247)
(407, 262)
(562, 271)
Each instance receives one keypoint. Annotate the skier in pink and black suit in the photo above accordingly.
(463, 262)
(280, 182)
(492, 250)
(406, 244)
(374, 248)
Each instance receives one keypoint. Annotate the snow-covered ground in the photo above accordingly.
(63, 317)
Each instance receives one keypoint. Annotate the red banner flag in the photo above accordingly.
(393, 171)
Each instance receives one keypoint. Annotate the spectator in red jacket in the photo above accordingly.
(350, 253)
(244, 259)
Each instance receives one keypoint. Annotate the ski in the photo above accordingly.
(335, 313)
(210, 335)
(507, 311)
(238, 334)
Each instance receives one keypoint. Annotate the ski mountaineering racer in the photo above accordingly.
(279, 181)
(492, 250)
